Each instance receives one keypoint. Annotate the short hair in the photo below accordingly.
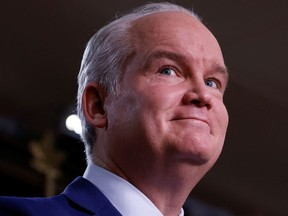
(105, 55)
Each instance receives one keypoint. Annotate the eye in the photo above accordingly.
(168, 71)
(212, 83)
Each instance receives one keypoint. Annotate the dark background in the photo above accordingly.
(41, 45)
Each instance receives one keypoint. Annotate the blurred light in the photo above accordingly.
(73, 124)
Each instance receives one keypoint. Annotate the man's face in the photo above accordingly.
(170, 105)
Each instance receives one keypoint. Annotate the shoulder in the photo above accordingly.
(80, 198)
(33, 206)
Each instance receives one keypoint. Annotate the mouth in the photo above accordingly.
(191, 118)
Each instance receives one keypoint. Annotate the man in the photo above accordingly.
(150, 99)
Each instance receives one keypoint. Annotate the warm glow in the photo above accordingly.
(73, 124)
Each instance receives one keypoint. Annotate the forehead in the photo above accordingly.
(169, 24)
(175, 32)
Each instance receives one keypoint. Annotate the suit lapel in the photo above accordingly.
(85, 194)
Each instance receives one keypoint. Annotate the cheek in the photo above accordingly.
(153, 109)
(141, 109)
(220, 114)
(224, 118)
(161, 98)
(120, 113)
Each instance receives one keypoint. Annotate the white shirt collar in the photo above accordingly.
(126, 198)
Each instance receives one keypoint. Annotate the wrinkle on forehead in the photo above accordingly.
(175, 35)
(163, 22)
(162, 27)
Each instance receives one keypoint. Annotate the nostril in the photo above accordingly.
(197, 102)
(200, 103)
(198, 99)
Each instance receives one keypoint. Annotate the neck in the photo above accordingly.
(170, 190)
(167, 188)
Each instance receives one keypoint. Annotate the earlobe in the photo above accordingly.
(93, 105)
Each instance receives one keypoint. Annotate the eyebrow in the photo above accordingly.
(162, 54)
(223, 71)
(178, 57)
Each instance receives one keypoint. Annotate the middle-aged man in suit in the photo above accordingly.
(150, 99)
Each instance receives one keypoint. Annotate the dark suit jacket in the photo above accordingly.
(80, 198)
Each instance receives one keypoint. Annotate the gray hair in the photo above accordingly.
(105, 55)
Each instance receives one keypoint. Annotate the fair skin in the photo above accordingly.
(166, 127)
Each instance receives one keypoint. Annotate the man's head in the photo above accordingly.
(105, 55)
(157, 101)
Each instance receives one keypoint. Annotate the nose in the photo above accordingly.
(199, 96)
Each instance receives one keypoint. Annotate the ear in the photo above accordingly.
(93, 105)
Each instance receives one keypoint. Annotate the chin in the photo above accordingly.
(198, 149)
(198, 156)
(193, 159)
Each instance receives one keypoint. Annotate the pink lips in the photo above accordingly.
(192, 118)
(191, 113)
